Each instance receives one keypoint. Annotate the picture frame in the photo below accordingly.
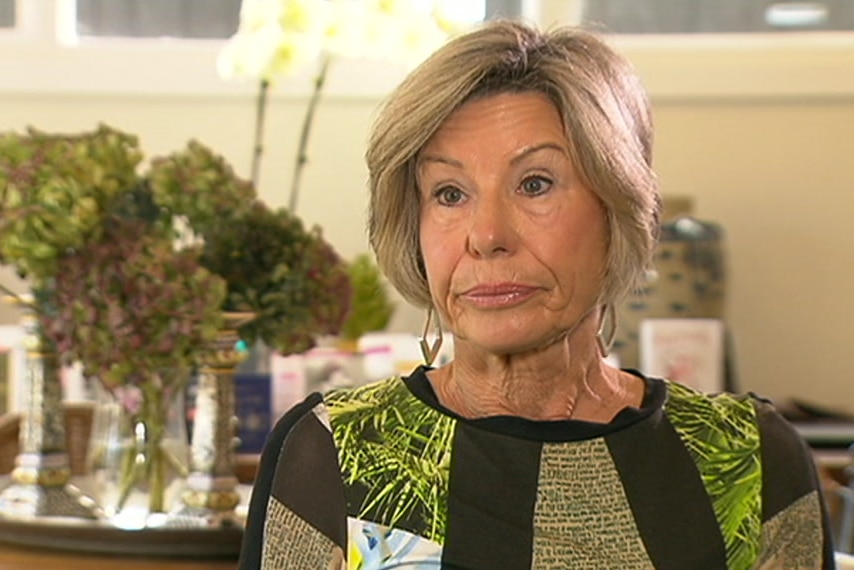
(687, 351)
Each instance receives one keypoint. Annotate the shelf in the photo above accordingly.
(826, 434)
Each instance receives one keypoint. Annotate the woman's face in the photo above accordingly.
(513, 243)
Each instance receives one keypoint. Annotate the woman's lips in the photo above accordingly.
(498, 295)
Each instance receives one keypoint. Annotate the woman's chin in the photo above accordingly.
(508, 334)
(496, 343)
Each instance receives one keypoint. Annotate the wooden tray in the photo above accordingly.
(89, 536)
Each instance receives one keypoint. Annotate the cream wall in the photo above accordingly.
(778, 176)
(776, 173)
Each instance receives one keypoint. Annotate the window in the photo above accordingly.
(7, 14)
(726, 48)
(717, 16)
(211, 19)
(158, 18)
(84, 46)
(502, 8)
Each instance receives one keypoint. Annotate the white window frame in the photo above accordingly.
(38, 58)
(781, 65)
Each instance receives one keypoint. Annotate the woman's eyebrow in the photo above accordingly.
(441, 159)
(522, 154)
(528, 151)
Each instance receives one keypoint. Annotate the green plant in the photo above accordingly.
(371, 308)
(199, 185)
(290, 277)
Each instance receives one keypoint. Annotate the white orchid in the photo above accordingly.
(454, 16)
(277, 38)
(346, 33)
(308, 17)
(250, 55)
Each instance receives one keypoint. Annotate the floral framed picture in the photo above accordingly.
(688, 351)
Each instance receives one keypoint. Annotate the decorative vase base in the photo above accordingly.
(29, 501)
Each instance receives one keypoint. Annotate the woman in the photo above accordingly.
(512, 194)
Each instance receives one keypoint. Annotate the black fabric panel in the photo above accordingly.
(785, 459)
(788, 471)
(308, 479)
(491, 497)
(253, 535)
(546, 431)
(672, 509)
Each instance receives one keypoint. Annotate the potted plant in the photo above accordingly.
(111, 289)
(132, 268)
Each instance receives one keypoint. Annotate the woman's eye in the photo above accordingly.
(450, 195)
(534, 185)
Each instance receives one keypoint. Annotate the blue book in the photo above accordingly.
(253, 407)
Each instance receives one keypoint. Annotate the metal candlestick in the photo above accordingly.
(40, 481)
(211, 495)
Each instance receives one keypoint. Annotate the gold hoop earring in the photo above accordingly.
(605, 339)
(430, 351)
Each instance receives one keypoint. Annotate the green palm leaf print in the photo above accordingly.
(398, 449)
(722, 436)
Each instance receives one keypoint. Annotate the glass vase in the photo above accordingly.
(138, 453)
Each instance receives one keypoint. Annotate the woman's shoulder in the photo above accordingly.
(683, 399)
(745, 416)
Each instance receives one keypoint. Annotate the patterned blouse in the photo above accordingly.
(383, 476)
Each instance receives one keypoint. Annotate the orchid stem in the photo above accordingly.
(9, 292)
(17, 298)
(302, 156)
(258, 147)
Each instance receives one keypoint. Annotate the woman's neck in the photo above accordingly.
(564, 380)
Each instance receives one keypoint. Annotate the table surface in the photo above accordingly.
(14, 558)
(22, 557)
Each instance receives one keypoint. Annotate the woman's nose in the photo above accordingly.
(491, 231)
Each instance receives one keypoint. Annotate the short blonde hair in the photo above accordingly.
(606, 117)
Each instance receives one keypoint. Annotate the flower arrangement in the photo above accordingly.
(110, 289)
(79, 201)
(80, 223)
(131, 268)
